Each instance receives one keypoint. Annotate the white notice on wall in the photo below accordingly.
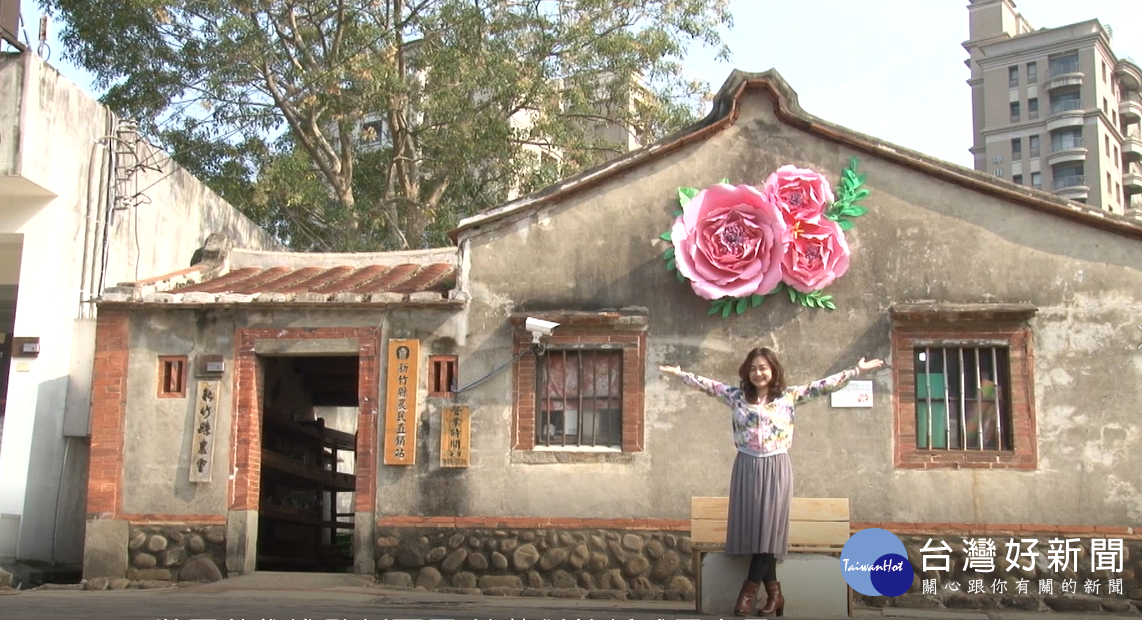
(855, 394)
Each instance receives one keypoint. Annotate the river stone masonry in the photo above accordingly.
(176, 553)
(543, 562)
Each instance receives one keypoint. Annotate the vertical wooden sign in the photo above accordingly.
(400, 402)
(455, 434)
(203, 430)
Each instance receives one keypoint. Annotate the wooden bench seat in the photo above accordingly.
(816, 526)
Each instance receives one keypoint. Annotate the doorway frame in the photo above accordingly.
(244, 493)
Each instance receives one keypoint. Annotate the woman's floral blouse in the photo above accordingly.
(762, 430)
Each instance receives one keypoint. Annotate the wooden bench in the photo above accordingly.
(816, 526)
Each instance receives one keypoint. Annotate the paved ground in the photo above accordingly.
(308, 596)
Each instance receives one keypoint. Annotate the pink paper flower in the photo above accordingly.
(729, 242)
(800, 193)
(817, 255)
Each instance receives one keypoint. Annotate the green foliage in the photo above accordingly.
(272, 102)
(848, 194)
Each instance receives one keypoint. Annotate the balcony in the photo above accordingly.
(1132, 149)
(1132, 182)
(1130, 108)
(1073, 187)
(1067, 113)
(1064, 74)
(1067, 150)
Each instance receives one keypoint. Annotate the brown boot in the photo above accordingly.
(745, 599)
(775, 606)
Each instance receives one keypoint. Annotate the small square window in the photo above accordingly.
(1033, 108)
(1013, 77)
(442, 381)
(172, 376)
(1032, 73)
(1014, 111)
(1017, 179)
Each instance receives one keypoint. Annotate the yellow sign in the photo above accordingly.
(455, 434)
(400, 409)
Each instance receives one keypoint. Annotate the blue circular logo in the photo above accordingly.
(875, 563)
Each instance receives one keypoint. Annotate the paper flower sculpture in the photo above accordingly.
(738, 244)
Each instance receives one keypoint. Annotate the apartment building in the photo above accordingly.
(1055, 108)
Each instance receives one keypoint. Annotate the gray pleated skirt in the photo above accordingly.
(761, 493)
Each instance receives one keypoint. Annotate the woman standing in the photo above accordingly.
(761, 485)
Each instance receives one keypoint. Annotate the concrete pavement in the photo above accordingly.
(322, 596)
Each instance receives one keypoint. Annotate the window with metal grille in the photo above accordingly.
(172, 377)
(579, 396)
(442, 379)
(963, 399)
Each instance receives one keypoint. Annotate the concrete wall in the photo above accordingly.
(53, 170)
(922, 240)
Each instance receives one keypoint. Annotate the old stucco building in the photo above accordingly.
(973, 289)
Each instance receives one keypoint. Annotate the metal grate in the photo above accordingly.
(579, 398)
(963, 398)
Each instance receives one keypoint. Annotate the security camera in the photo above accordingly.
(539, 327)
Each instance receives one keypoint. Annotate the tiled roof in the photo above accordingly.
(251, 277)
(372, 279)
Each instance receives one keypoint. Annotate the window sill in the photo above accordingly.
(571, 456)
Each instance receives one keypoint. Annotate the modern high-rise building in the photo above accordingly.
(1055, 108)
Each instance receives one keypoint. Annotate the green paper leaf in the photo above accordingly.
(670, 265)
(668, 254)
(860, 195)
(677, 214)
(741, 305)
(829, 305)
(686, 194)
(853, 162)
(755, 300)
(714, 309)
(860, 179)
(792, 294)
(726, 309)
(855, 211)
(726, 181)
(845, 224)
(666, 235)
(681, 278)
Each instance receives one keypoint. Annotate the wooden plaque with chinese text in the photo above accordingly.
(400, 402)
(203, 431)
(455, 433)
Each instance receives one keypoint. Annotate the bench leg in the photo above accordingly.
(696, 559)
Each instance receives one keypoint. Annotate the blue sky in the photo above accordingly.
(889, 68)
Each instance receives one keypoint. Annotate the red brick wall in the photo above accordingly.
(1024, 433)
(108, 411)
(634, 370)
(246, 435)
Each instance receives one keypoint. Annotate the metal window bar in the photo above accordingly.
(557, 402)
(980, 427)
(947, 405)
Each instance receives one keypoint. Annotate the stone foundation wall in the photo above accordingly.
(966, 587)
(594, 563)
(176, 552)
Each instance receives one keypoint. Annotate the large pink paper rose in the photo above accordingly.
(817, 255)
(800, 193)
(729, 242)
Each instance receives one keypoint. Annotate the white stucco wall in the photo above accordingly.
(54, 168)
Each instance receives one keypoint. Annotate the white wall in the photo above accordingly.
(53, 186)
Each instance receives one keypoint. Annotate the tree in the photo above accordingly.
(267, 100)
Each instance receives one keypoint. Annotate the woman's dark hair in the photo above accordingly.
(777, 374)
